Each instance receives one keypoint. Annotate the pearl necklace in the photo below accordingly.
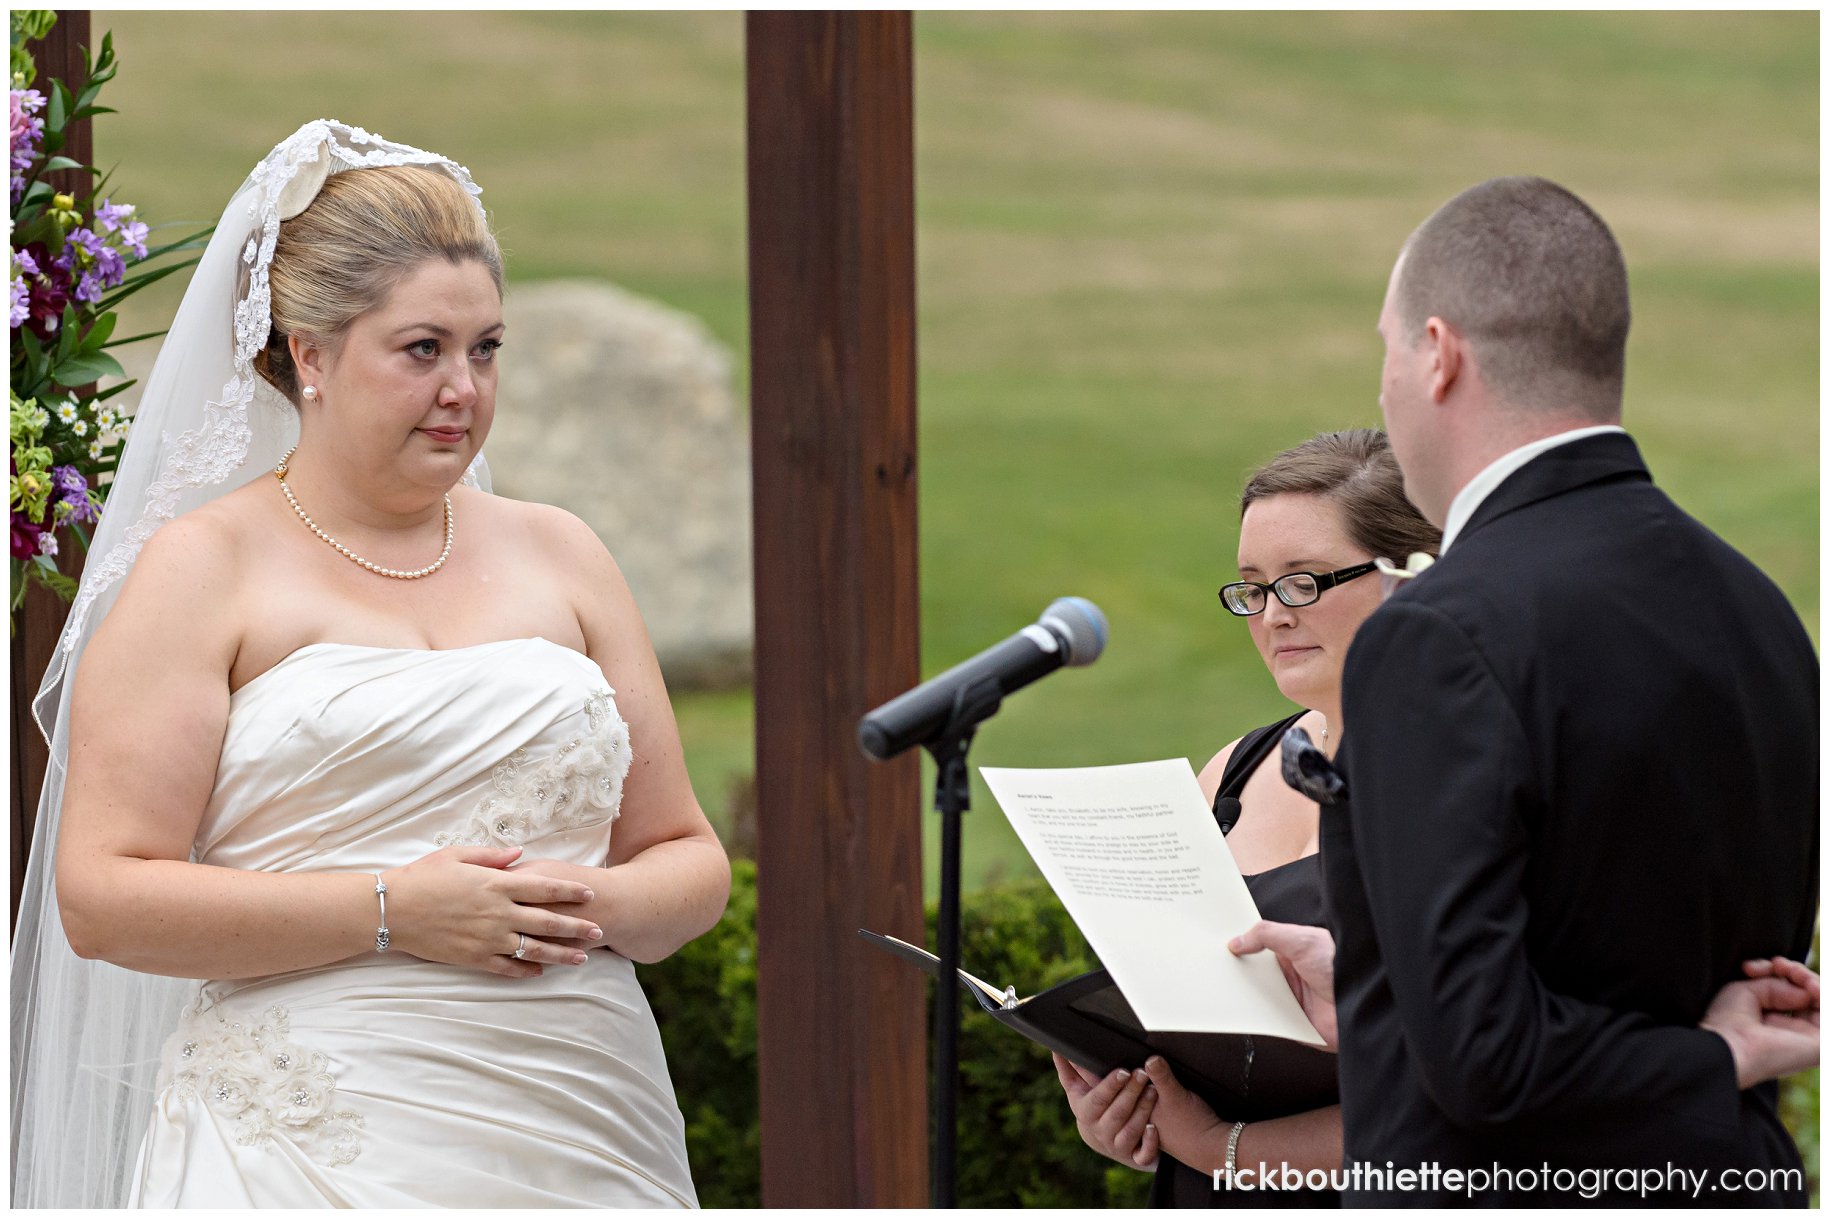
(279, 472)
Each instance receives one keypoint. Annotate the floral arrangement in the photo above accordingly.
(74, 259)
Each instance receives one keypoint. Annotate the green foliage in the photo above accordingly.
(28, 24)
(1017, 1141)
(1800, 1101)
(704, 999)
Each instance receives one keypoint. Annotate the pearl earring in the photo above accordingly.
(310, 391)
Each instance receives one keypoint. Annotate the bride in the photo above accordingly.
(345, 737)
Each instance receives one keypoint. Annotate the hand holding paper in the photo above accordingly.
(1306, 955)
(1135, 856)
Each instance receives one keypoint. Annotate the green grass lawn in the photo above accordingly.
(1152, 250)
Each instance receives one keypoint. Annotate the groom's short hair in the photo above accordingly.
(1533, 279)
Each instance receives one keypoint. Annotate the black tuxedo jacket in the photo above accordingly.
(1583, 787)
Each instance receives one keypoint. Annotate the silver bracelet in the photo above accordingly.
(381, 932)
(1232, 1151)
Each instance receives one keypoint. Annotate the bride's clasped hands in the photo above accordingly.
(465, 905)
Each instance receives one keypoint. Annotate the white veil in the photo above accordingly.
(87, 1034)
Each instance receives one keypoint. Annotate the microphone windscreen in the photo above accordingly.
(1079, 622)
(1227, 810)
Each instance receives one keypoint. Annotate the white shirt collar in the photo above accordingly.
(1470, 497)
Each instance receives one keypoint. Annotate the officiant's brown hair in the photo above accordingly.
(1355, 469)
(362, 234)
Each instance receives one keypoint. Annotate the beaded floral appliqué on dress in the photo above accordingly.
(580, 785)
(263, 1083)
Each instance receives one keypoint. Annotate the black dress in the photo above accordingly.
(1275, 1078)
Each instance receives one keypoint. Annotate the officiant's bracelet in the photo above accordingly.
(381, 932)
(1232, 1151)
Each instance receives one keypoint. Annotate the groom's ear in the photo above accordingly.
(1448, 350)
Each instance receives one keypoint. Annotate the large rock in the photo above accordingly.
(620, 410)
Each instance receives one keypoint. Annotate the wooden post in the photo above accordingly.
(841, 1028)
(41, 617)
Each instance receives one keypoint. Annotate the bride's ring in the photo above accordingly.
(520, 945)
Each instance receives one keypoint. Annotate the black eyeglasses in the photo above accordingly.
(1299, 588)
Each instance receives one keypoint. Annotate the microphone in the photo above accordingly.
(1071, 631)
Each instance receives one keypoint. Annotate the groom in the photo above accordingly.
(1583, 762)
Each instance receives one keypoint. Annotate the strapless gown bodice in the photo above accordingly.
(386, 1080)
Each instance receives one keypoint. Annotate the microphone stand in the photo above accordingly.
(972, 706)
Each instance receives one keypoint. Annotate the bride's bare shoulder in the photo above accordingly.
(191, 564)
(542, 529)
(179, 606)
(213, 533)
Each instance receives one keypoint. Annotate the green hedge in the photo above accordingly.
(704, 999)
(1017, 1142)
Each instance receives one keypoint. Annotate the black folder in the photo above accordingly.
(1087, 1021)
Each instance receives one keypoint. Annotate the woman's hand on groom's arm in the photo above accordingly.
(1306, 955)
(1770, 1021)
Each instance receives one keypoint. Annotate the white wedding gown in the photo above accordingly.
(386, 1080)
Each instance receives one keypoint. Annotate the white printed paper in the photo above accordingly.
(1136, 857)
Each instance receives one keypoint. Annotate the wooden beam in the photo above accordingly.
(41, 618)
(841, 1029)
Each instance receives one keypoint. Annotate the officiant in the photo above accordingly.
(1312, 520)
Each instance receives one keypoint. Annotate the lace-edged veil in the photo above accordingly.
(86, 1034)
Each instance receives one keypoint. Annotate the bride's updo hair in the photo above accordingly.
(1355, 469)
(362, 234)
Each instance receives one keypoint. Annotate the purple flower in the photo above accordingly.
(20, 299)
(19, 286)
(117, 221)
(24, 133)
(111, 216)
(25, 104)
(47, 543)
(133, 236)
(73, 489)
(93, 263)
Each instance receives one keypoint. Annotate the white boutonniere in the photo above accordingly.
(1392, 578)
